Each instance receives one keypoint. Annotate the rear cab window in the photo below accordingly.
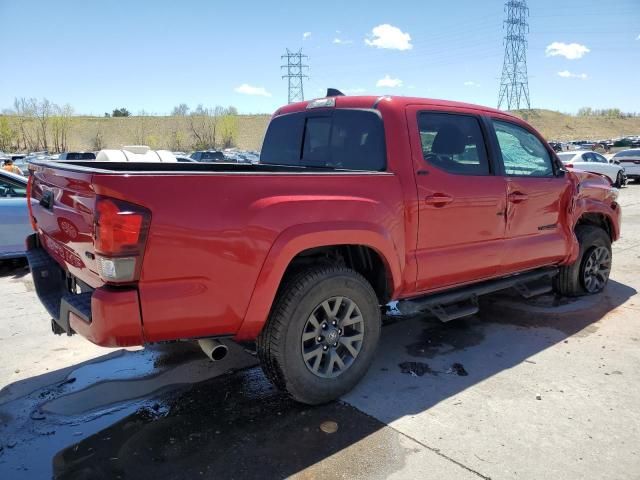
(341, 139)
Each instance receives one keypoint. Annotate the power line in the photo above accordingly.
(295, 74)
(514, 84)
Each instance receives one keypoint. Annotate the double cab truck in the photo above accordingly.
(356, 202)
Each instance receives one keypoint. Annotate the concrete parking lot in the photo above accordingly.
(547, 387)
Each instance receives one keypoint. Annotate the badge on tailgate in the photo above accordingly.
(62, 252)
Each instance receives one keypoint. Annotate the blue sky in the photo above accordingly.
(152, 55)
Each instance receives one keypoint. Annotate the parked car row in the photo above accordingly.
(593, 162)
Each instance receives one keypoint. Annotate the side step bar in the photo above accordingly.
(461, 302)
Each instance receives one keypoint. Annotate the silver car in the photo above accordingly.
(14, 215)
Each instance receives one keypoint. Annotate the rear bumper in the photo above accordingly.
(106, 316)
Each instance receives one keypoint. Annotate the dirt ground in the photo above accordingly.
(546, 387)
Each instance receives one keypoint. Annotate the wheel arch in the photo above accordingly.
(365, 247)
(600, 220)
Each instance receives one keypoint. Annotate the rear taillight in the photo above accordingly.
(120, 234)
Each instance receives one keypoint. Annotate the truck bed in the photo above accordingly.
(180, 167)
(212, 228)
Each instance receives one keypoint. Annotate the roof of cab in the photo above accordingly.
(370, 101)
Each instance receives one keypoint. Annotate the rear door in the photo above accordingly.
(461, 199)
(537, 199)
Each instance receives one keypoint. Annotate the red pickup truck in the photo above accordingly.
(356, 202)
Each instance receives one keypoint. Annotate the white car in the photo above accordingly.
(595, 163)
(630, 160)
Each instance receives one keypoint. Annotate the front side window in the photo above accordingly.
(522, 153)
(599, 158)
(340, 139)
(453, 143)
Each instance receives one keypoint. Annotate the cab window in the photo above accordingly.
(453, 143)
(523, 155)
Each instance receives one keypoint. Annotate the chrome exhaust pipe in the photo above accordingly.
(214, 349)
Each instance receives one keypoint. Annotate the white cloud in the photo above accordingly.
(339, 41)
(306, 35)
(568, 74)
(571, 51)
(470, 83)
(247, 89)
(638, 37)
(388, 36)
(387, 81)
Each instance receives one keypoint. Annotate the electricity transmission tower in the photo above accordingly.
(295, 74)
(514, 84)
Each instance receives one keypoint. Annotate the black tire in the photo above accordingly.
(280, 344)
(570, 281)
(619, 180)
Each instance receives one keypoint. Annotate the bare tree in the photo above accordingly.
(203, 123)
(25, 115)
(60, 126)
(98, 140)
(43, 112)
(181, 110)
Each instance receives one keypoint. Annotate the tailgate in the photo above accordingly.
(64, 214)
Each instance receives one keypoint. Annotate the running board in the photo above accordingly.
(461, 302)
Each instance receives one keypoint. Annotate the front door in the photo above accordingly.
(537, 198)
(461, 200)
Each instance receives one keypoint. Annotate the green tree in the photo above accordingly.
(8, 135)
(228, 128)
(121, 112)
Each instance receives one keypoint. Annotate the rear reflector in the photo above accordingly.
(120, 269)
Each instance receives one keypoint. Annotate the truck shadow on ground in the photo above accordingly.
(238, 426)
(15, 268)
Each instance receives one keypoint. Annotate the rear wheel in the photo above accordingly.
(321, 335)
(589, 274)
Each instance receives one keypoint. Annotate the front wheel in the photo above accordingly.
(589, 274)
(619, 180)
(321, 335)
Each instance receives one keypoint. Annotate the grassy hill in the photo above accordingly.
(173, 132)
(559, 126)
(159, 132)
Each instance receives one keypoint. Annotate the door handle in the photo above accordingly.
(438, 200)
(518, 197)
